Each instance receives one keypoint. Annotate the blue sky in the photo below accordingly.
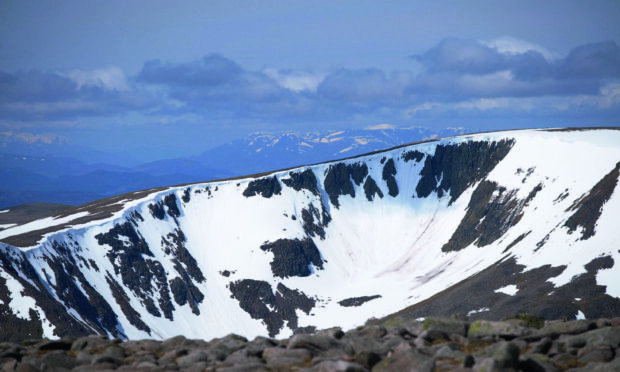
(157, 79)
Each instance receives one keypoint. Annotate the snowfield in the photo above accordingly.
(196, 260)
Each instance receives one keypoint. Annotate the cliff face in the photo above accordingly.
(485, 225)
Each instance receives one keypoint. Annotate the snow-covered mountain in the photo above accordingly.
(262, 151)
(484, 225)
(67, 180)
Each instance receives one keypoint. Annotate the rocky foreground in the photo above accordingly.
(524, 344)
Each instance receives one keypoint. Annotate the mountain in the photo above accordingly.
(262, 151)
(42, 171)
(476, 226)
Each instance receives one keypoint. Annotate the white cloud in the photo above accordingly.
(109, 78)
(511, 45)
(296, 81)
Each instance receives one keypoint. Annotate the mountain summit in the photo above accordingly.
(484, 225)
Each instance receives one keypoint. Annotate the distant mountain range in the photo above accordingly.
(50, 172)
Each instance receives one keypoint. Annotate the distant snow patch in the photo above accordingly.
(380, 127)
(580, 315)
(481, 310)
(6, 226)
(4, 211)
(510, 290)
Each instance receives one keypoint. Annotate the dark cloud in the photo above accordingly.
(462, 56)
(591, 61)
(39, 95)
(211, 70)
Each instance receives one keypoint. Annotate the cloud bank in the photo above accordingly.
(457, 76)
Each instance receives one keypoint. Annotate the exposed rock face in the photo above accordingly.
(293, 257)
(588, 207)
(491, 211)
(522, 344)
(254, 296)
(389, 171)
(266, 187)
(302, 180)
(452, 168)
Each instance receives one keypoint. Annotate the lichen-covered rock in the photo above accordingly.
(505, 329)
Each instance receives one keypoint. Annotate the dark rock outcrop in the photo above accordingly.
(255, 296)
(266, 187)
(588, 208)
(340, 177)
(389, 171)
(357, 301)
(293, 257)
(302, 180)
(453, 168)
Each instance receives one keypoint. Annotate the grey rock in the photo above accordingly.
(194, 357)
(318, 343)
(606, 336)
(569, 327)
(57, 360)
(449, 326)
(432, 335)
(279, 358)
(542, 346)
(33, 361)
(92, 343)
(447, 351)
(244, 368)
(55, 345)
(507, 356)
(596, 353)
(367, 358)
(365, 345)
(599, 367)
(405, 359)
(504, 329)
(26, 367)
(106, 359)
(537, 362)
(338, 366)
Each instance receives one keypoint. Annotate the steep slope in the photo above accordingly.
(477, 225)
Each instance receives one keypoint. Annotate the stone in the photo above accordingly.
(194, 357)
(57, 360)
(55, 345)
(596, 353)
(406, 359)
(106, 359)
(433, 335)
(277, 357)
(244, 368)
(537, 362)
(449, 326)
(505, 329)
(507, 356)
(542, 346)
(569, 327)
(338, 366)
(316, 343)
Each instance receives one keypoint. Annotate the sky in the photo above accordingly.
(159, 79)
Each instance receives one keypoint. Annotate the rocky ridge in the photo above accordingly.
(525, 343)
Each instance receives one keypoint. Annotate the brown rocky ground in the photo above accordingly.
(435, 344)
